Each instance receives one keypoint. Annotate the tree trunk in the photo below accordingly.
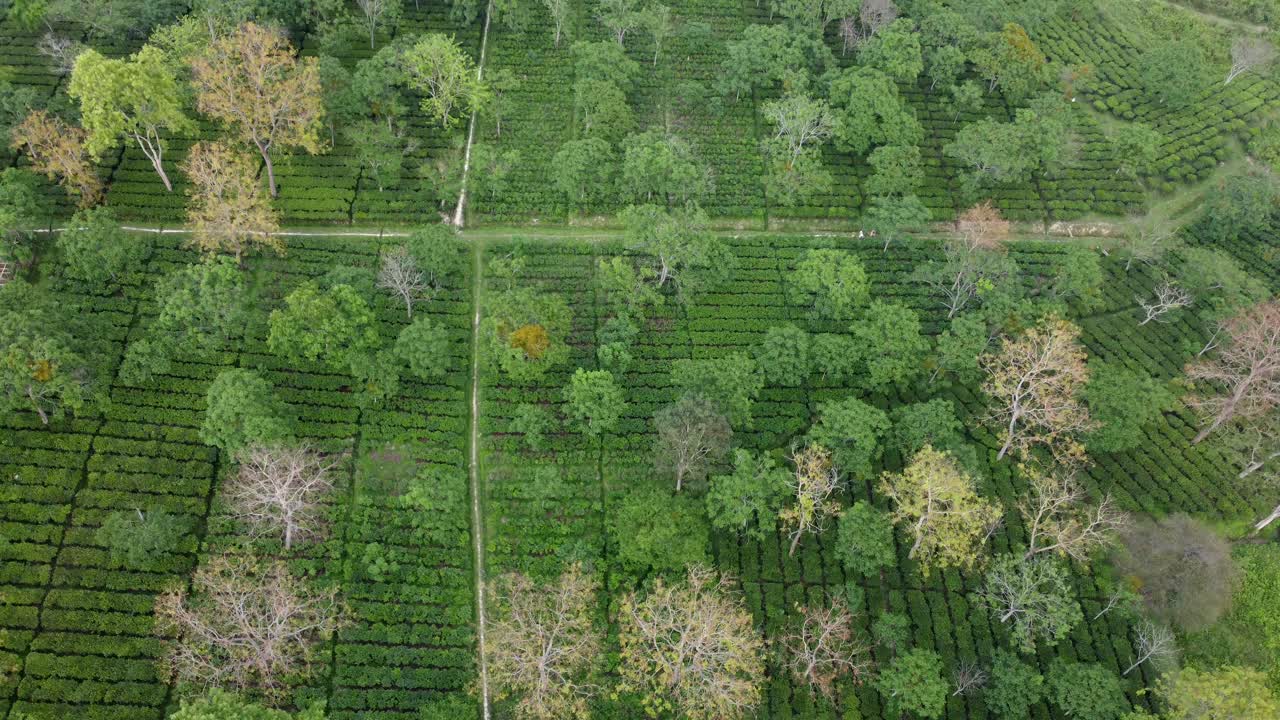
(44, 418)
(795, 543)
(271, 174)
(1264, 522)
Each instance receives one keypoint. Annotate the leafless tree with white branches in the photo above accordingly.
(542, 643)
(399, 275)
(1058, 520)
(823, 647)
(967, 677)
(246, 624)
(1246, 372)
(1154, 643)
(1169, 296)
(279, 490)
(1248, 53)
(1119, 597)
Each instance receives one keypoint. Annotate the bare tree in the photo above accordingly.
(62, 51)
(691, 436)
(1255, 443)
(1036, 381)
(874, 15)
(561, 14)
(1249, 53)
(974, 257)
(815, 485)
(399, 275)
(377, 12)
(800, 122)
(543, 643)
(1146, 240)
(691, 647)
(1119, 597)
(1246, 370)
(823, 647)
(57, 150)
(1058, 520)
(967, 677)
(246, 624)
(1169, 297)
(1153, 643)
(279, 490)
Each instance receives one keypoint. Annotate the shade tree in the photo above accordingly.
(246, 624)
(1122, 402)
(594, 401)
(659, 532)
(1058, 519)
(544, 644)
(138, 98)
(823, 648)
(136, 540)
(832, 283)
(1240, 693)
(227, 211)
(45, 365)
(1015, 686)
(783, 355)
(280, 490)
(1184, 570)
(1085, 691)
(814, 493)
(896, 344)
(851, 430)
(748, 499)
(692, 436)
(97, 251)
(445, 75)
(252, 81)
(864, 543)
(242, 410)
(936, 503)
(870, 112)
(58, 151)
(1243, 379)
(913, 683)
(1035, 382)
(691, 648)
(1034, 596)
(895, 50)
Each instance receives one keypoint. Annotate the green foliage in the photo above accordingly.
(137, 540)
(1240, 204)
(583, 171)
(960, 346)
(891, 631)
(1173, 72)
(835, 357)
(1005, 153)
(731, 383)
(1234, 693)
(770, 54)
(1085, 691)
(851, 430)
(201, 308)
(511, 319)
(594, 400)
(242, 410)
(913, 683)
(1136, 147)
(831, 282)
(891, 332)
(1015, 686)
(659, 532)
(138, 99)
(1034, 596)
(929, 423)
(533, 422)
(1218, 283)
(895, 51)
(865, 541)
(424, 347)
(1123, 402)
(1249, 634)
(683, 251)
(445, 75)
(896, 170)
(96, 250)
(18, 216)
(748, 499)
(218, 704)
(336, 326)
(870, 112)
(657, 166)
(43, 367)
(783, 355)
(437, 253)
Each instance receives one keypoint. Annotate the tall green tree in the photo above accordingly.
(138, 98)
(913, 684)
(594, 401)
(897, 346)
(832, 283)
(748, 499)
(445, 74)
(241, 409)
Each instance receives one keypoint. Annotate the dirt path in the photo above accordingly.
(459, 213)
(477, 512)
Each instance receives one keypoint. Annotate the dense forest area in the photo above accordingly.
(613, 359)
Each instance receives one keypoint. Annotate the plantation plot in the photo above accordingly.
(562, 499)
(79, 621)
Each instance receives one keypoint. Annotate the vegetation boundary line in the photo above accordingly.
(477, 515)
(460, 210)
